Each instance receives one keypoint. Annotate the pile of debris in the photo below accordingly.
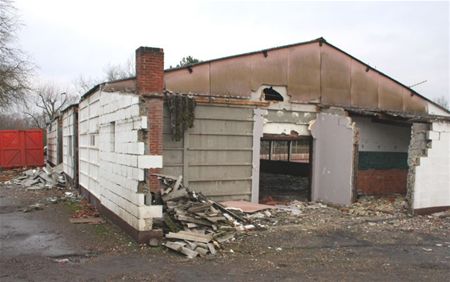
(196, 225)
(377, 206)
(41, 178)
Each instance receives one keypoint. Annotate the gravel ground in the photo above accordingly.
(373, 240)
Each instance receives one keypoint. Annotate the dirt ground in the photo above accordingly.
(374, 240)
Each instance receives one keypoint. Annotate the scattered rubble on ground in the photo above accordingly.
(40, 178)
(377, 206)
(196, 225)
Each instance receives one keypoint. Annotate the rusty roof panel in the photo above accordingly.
(312, 71)
(304, 73)
(231, 77)
(364, 86)
(196, 80)
(269, 68)
(390, 95)
(335, 76)
(413, 103)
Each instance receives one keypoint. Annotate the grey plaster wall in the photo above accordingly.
(333, 158)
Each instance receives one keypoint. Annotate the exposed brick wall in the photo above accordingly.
(149, 70)
(150, 80)
(155, 136)
(381, 181)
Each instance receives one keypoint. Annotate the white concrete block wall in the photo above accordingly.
(68, 123)
(432, 176)
(52, 142)
(112, 168)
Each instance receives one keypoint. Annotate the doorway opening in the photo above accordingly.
(285, 168)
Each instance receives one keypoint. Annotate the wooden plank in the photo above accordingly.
(181, 193)
(88, 220)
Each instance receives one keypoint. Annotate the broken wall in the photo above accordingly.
(382, 157)
(70, 142)
(429, 177)
(334, 139)
(112, 136)
(53, 131)
(215, 156)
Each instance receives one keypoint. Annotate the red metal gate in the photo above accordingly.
(21, 148)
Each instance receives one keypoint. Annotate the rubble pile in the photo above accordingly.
(40, 178)
(377, 206)
(196, 225)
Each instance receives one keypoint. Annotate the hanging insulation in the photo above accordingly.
(181, 114)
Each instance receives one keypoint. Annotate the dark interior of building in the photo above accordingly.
(285, 169)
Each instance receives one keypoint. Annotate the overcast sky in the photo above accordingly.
(406, 40)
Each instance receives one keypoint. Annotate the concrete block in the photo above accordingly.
(150, 211)
(141, 175)
(132, 161)
(433, 135)
(141, 148)
(441, 126)
(149, 161)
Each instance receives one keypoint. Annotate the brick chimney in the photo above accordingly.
(150, 80)
(149, 70)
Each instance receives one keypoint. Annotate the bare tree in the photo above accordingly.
(15, 121)
(83, 84)
(14, 67)
(442, 101)
(111, 73)
(46, 103)
(120, 71)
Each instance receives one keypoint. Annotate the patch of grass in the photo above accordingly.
(73, 206)
(102, 230)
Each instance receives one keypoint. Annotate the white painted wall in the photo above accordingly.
(114, 120)
(380, 137)
(52, 142)
(432, 177)
(68, 123)
(434, 110)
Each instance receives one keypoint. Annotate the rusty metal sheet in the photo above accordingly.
(182, 80)
(364, 86)
(413, 103)
(270, 69)
(335, 76)
(231, 77)
(304, 73)
(312, 73)
(390, 95)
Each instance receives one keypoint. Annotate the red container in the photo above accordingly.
(19, 148)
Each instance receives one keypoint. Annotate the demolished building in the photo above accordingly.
(324, 124)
